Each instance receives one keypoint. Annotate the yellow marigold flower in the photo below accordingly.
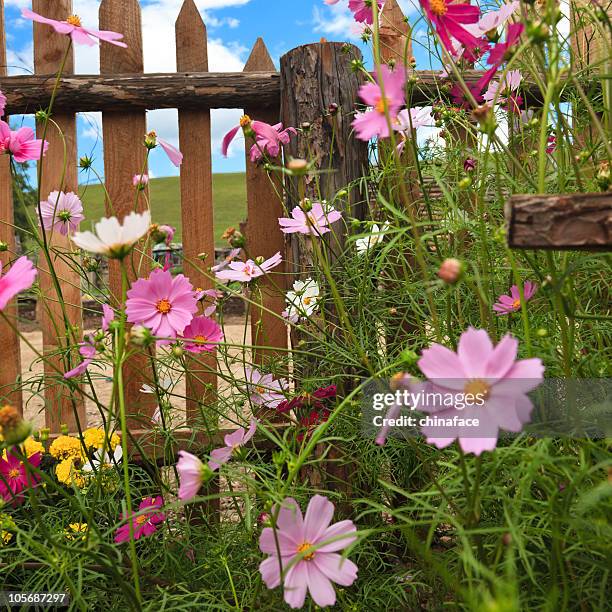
(30, 447)
(66, 447)
(76, 531)
(68, 474)
(94, 438)
(6, 537)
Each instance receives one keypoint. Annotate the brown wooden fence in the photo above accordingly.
(311, 78)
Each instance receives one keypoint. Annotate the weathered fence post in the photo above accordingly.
(264, 203)
(196, 197)
(9, 339)
(62, 407)
(124, 156)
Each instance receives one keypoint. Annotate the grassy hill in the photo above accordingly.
(229, 192)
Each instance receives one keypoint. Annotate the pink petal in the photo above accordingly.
(296, 584)
(174, 155)
(474, 350)
(227, 139)
(339, 570)
(318, 516)
(286, 544)
(270, 572)
(343, 528)
(502, 358)
(320, 587)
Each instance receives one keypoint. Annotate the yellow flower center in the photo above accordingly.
(307, 300)
(478, 387)
(141, 519)
(201, 339)
(303, 548)
(438, 7)
(245, 121)
(14, 473)
(516, 304)
(260, 390)
(164, 306)
(74, 20)
(381, 105)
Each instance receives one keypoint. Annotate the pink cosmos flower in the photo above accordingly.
(374, 122)
(191, 473)
(144, 524)
(512, 303)
(263, 389)
(174, 155)
(499, 53)
(362, 10)
(87, 350)
(449, 18)
(508, 86)
(14, 477)
(489, 373)
(493, 19)
(204, 334)
(413, 119)
(257, 130)
(245, 272)
(62, 212)
(314, 222)
(315, 544)
(233, 441)
(552, 144)
(72, 27)
(213, 295)
(140, 180)
(264, 144)
(108, 316)
(163, 303)
(19, 278)
(227, 261)
(2, 104)
(21, 144)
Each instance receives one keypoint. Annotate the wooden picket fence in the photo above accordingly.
(311, 79)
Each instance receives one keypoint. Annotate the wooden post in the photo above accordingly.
(577, 221)
(264, 206)
(9, 339)
(49, 51)
(395, 34)
(124, 156)
(196, 197)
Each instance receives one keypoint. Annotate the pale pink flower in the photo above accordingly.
(493, 19)
(233, 441)
(362, 10)
(249, 270)
(512, 303)
(87, 350)
(374, 122)
(143, 525)
(314, 222)
(163, 303)
(263, 389)
(140, 180)
(202, 335)
(490, 373)
(21, 144)
(409, 120)
(72, 27)
(108, 316)
(271, 146)
(257, 130)
(310, 545)
(227, 261)
(62, 212)
(174, 155)
(20, 277)
(192, 473)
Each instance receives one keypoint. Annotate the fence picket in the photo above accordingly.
(395, 34)
(9, 339)
(264, 237)
(62, 407)
(196, 196)
(123, 133)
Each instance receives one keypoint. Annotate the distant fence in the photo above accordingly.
(311, 79)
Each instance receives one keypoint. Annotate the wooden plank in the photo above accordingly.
(124, 156)
(569, 221)
(62, 406)
(395, 34)
(196, 197)
(9, 339)
(264, 207)
(194, 91)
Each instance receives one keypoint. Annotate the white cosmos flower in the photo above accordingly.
(369, 242)
(113, 239)
(303, 300)
(104, 460)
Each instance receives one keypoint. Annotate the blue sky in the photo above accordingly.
(233, 26)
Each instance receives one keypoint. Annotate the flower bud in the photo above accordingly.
(44, 434)
(306, 205)
(464, 183)
(141, 335)
(264, 519)
(13, 428)
(150, 141)
(409, 357)
(298, 166)
(450, 271)
(64, 429)
(507, 539)
(3, 246)
(603, 176)
(332, 109)
(542, 332)
(177, 352)
(85, 162)
(469, 165)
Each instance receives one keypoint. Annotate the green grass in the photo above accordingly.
(229, 193)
